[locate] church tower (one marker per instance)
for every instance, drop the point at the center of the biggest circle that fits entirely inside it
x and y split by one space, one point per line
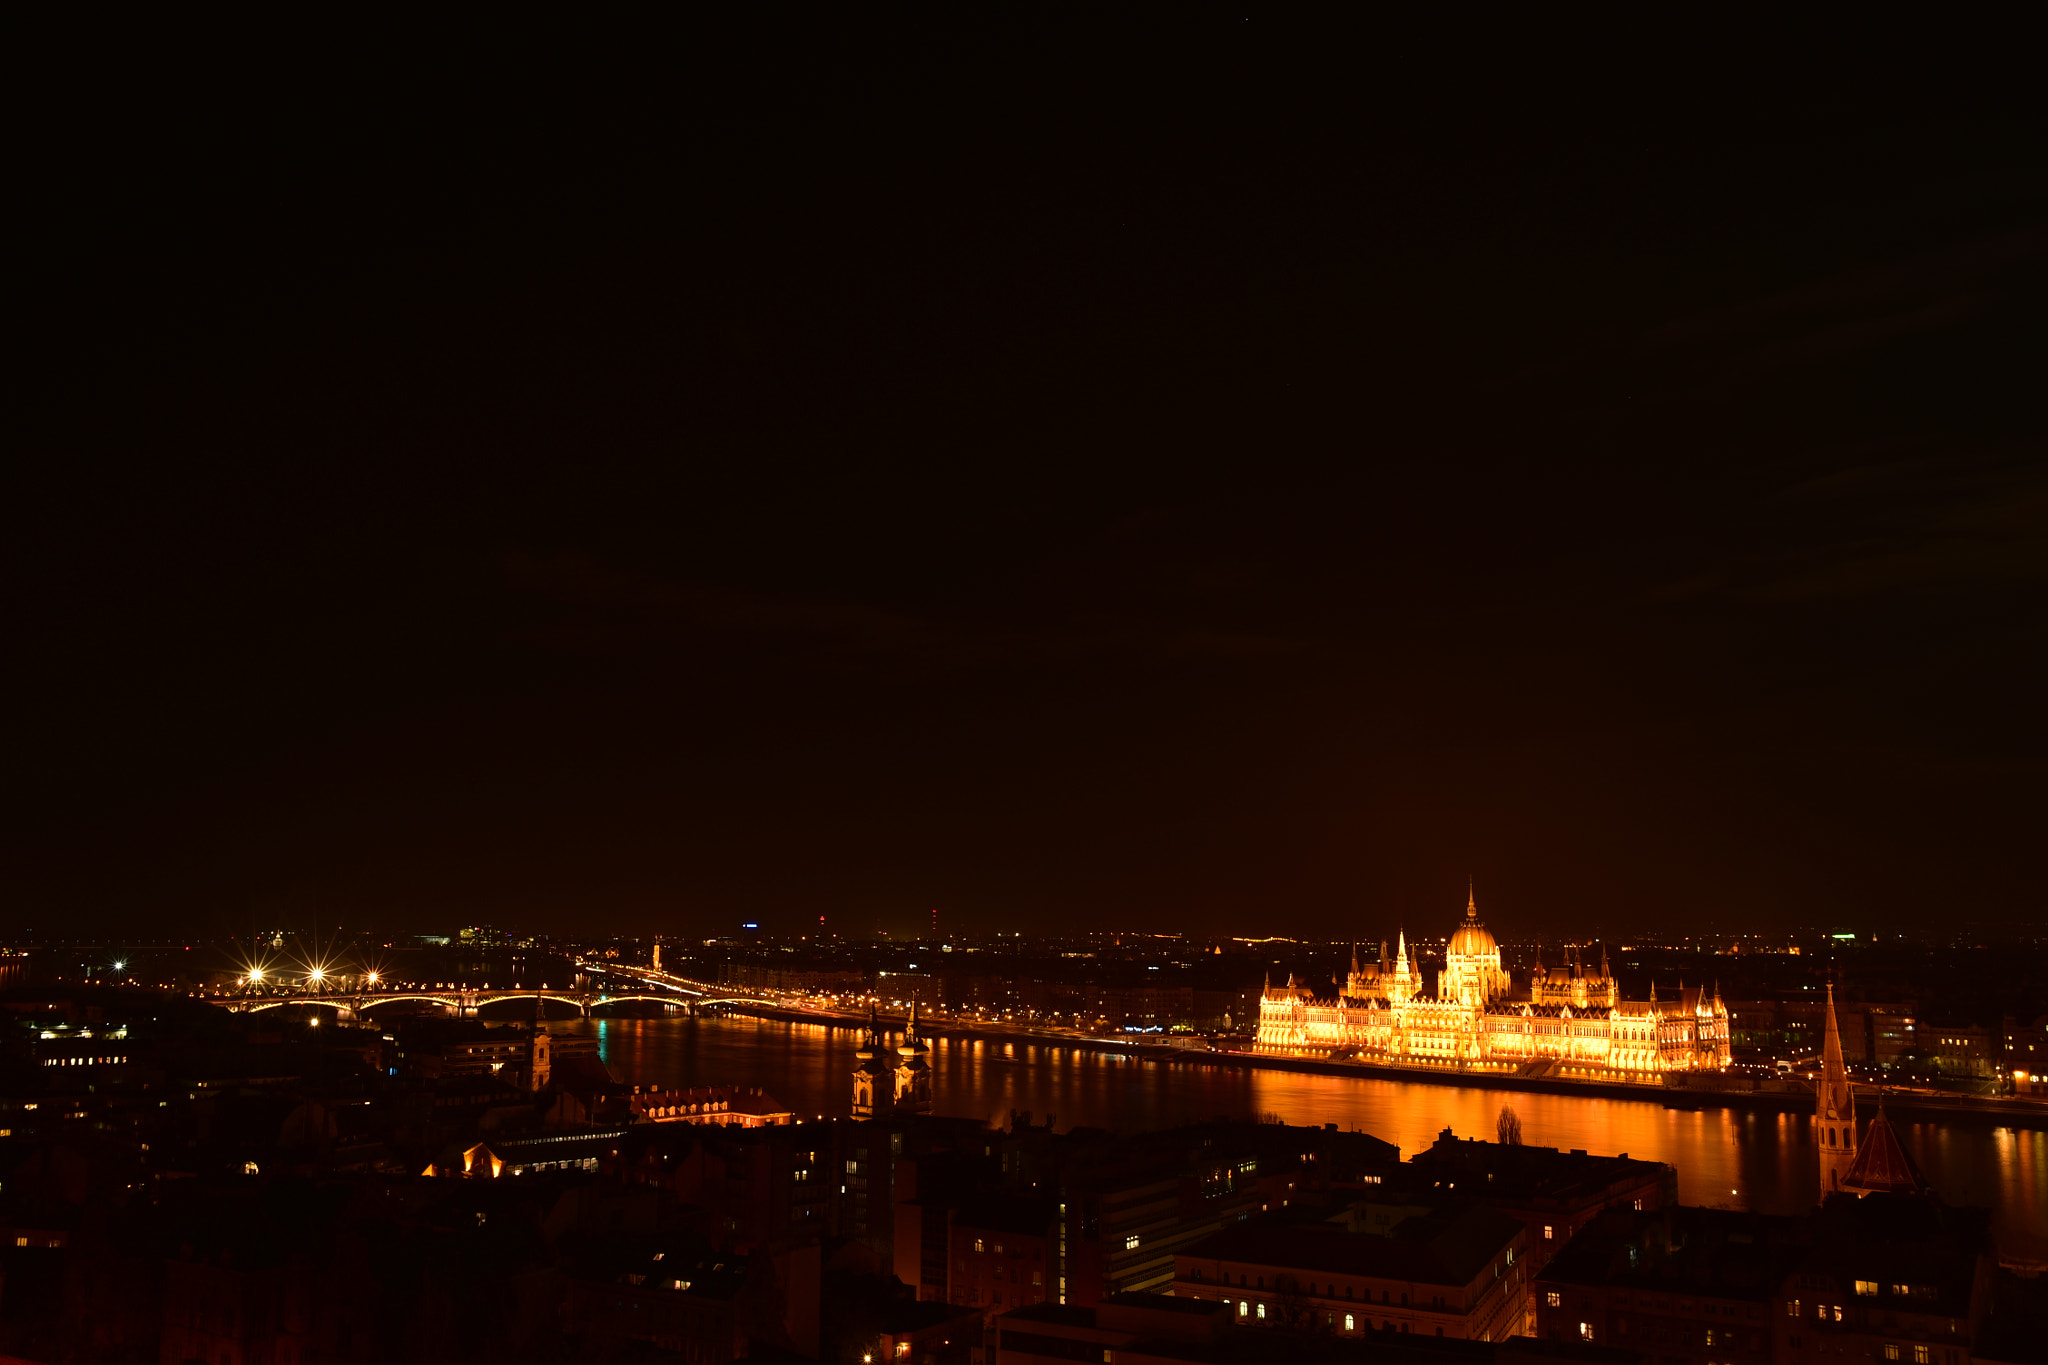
874 1078
913 1071
540 1067
1834 1117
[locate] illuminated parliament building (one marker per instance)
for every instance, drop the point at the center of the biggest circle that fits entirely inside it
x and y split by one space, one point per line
1568 1022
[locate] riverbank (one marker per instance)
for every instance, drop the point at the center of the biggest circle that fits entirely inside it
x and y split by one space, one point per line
2016 1113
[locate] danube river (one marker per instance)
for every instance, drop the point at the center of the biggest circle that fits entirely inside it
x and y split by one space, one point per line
1728 1157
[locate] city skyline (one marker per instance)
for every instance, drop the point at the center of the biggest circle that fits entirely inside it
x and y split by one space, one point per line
1029 686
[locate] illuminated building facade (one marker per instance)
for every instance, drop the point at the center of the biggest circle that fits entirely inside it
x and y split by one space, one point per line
892 1080
1570 1022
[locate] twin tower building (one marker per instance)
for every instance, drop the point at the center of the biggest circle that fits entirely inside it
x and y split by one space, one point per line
892 1080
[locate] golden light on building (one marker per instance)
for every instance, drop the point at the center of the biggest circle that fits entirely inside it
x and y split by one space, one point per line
1572 1020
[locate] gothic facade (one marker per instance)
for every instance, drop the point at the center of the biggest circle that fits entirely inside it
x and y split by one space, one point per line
1571 1021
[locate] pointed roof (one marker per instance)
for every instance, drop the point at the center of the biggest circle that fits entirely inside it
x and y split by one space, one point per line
1354 957
1883 1165
911 1042
1836 1099
1401 957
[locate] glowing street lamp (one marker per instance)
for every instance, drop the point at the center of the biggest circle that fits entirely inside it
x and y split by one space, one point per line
370 977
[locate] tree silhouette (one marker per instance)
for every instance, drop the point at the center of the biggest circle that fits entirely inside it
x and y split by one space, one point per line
1509 1127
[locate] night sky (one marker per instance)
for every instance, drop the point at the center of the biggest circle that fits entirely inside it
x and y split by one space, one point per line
1200 473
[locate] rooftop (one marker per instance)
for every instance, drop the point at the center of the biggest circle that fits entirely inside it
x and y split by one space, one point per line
1450 1248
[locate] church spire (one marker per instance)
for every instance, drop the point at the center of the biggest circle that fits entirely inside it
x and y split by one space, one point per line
1471 899
1834 1109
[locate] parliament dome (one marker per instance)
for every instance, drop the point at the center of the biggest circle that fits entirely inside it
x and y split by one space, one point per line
1472 938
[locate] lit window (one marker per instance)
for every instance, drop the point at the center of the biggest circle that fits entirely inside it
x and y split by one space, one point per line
1243 1309
1262 1310
1131 1243
977 1246
1585 1331
1546 1232
1920 1355
1867 1288
1554 1299
1350 1323
1891 1350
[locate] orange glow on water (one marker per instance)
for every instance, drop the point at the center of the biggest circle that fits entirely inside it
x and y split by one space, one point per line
1765 1158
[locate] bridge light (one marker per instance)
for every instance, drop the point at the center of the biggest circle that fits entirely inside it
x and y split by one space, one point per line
370 977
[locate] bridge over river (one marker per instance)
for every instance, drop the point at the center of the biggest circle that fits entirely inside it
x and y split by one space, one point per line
464 1002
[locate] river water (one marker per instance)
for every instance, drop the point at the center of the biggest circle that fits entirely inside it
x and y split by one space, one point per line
1734 1158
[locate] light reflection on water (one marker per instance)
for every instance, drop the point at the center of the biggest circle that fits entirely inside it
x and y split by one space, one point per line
1757 1160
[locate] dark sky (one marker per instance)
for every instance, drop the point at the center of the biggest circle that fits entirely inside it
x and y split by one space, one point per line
1194 473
